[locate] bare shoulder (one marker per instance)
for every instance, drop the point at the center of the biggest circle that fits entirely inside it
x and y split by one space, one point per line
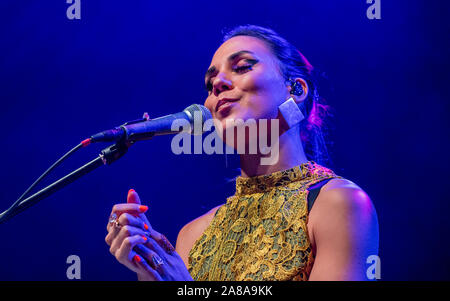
340 200
342 192
192 231
343 230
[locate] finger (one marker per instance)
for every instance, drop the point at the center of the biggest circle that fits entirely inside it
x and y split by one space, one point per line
125 232
119 209
128 219
112 233
112 229
111 222
133 197
141 263
153 259
132 265
125 254
125 219
131 208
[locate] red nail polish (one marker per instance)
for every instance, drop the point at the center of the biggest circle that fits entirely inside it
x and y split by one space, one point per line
144 238
145 226
143 208
130 191
137 258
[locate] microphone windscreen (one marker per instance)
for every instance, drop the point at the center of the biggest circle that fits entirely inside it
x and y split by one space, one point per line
197 111
205 113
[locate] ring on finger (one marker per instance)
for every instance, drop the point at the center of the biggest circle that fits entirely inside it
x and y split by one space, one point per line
157 261
113 219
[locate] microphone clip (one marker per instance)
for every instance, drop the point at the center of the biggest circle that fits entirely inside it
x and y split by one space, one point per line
145 117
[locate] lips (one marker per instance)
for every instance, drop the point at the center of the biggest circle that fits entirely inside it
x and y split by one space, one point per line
224 101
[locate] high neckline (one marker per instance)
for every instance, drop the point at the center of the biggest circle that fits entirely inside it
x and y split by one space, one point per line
249 185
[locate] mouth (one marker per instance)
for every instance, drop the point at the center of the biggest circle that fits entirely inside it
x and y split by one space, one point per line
224 101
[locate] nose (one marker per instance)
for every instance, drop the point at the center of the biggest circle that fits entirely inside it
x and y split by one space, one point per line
221 83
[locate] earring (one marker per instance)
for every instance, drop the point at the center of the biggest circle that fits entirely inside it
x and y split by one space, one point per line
291 112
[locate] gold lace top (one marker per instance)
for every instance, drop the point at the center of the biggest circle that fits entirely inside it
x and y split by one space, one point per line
260 233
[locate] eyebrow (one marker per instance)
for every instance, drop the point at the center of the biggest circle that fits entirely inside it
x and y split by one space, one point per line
230 58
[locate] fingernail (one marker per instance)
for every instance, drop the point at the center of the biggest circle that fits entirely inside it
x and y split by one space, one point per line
137 258
143 208
145 226
144 238
130 191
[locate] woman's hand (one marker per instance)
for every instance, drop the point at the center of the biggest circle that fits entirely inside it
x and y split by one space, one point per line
140 248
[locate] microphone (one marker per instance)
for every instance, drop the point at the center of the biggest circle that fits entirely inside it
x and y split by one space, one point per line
193 117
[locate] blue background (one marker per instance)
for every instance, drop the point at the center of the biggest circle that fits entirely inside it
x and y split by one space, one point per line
62 80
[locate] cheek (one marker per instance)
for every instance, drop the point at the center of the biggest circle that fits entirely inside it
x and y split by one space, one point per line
252 83
261 80
264 95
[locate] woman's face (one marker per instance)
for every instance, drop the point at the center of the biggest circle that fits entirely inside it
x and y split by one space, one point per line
244 82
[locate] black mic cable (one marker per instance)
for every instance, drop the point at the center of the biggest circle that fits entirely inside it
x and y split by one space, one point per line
83 143
120 133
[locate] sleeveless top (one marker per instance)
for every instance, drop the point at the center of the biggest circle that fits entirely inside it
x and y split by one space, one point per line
260 233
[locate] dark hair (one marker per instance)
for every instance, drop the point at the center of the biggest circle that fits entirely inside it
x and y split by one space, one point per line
313 130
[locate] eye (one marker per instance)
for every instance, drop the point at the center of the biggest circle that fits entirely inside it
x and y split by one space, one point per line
246 67
237 69
241 69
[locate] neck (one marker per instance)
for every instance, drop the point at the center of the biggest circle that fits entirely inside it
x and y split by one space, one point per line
291 154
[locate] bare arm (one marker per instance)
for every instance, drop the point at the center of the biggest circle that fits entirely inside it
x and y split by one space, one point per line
345 230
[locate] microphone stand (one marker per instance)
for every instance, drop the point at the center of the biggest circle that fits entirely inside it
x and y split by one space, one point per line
106 156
